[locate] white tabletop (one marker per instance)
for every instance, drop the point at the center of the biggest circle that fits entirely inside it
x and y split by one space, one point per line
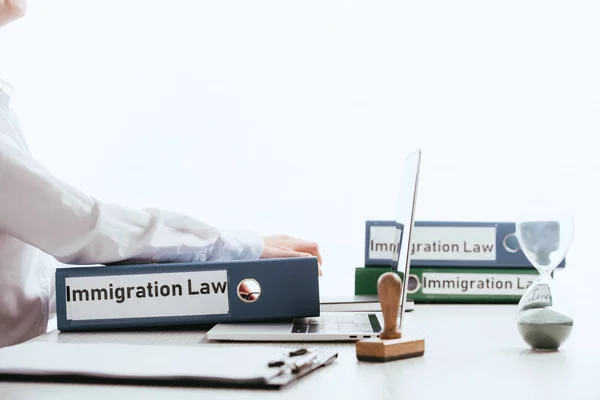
472 352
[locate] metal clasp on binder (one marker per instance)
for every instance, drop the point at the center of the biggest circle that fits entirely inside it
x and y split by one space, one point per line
298 360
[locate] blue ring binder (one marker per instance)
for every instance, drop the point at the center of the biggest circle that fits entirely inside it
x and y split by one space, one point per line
289 289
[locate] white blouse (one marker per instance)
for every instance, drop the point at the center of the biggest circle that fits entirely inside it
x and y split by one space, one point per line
46 223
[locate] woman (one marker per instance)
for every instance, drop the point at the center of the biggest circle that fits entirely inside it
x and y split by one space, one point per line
45 222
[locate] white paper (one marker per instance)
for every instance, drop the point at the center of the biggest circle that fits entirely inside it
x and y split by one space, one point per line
141 361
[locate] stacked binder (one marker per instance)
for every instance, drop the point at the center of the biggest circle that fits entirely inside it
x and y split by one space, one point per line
451 262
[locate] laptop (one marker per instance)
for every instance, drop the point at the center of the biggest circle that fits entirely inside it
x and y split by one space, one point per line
363 302
341 326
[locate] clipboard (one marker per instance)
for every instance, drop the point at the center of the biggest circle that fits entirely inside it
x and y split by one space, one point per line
175 294
161 365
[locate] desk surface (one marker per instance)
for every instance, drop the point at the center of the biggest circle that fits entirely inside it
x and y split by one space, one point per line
472 352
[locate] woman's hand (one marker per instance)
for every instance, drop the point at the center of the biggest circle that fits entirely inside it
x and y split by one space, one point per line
11 10
280 246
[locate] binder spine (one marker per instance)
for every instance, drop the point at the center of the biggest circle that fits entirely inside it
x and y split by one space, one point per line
455 285
131 296
448 244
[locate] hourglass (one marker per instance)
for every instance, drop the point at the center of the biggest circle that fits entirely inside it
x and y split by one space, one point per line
543 315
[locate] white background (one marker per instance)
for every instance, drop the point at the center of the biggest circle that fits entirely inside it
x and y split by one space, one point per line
293 116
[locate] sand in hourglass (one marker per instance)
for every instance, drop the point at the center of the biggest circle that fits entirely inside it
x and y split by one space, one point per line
544 328
540 323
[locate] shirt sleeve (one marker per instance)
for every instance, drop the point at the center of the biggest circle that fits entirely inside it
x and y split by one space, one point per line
40 209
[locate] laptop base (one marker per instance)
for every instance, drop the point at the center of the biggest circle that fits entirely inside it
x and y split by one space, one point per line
329 327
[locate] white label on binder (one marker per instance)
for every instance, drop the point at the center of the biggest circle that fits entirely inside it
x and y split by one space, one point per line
478 284
438 243
147 295
382 243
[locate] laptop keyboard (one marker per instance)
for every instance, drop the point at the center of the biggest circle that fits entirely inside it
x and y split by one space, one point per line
351 323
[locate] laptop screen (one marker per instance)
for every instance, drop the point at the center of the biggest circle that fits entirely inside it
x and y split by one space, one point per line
409 178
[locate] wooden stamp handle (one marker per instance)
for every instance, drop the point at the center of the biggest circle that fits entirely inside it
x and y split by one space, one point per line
389 288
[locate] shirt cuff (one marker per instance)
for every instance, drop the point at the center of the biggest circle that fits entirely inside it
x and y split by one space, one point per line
242 245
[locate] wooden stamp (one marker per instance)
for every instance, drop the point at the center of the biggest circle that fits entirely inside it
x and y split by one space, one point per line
390 345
